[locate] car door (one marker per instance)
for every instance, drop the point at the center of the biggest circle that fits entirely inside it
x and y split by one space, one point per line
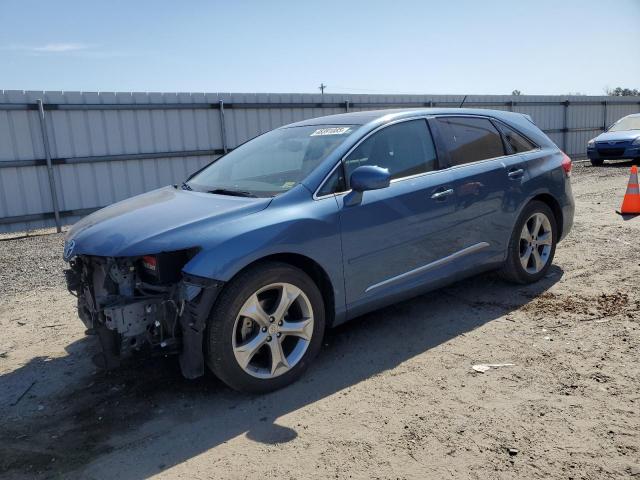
522 160
482 174
394 231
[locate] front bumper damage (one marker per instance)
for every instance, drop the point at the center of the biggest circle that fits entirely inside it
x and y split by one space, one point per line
128 312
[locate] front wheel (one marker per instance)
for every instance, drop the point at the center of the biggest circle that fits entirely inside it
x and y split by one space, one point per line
532 245
597 162
265 328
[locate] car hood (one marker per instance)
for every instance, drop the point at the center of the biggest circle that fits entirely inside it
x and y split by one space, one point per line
162 220
621 135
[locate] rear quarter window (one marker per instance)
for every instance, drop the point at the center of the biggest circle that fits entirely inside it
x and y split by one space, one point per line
515 141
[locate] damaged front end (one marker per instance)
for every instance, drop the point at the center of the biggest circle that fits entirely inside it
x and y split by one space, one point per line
143 303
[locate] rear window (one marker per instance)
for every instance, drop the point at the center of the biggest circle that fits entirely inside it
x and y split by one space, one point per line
516 142
469 139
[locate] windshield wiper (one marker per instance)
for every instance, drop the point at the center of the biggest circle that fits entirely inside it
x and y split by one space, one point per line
235 193
185 186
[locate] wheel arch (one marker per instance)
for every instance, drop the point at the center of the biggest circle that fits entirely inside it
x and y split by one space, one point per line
554 205
312 268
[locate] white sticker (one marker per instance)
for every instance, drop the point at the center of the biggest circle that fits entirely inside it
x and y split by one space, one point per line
330 131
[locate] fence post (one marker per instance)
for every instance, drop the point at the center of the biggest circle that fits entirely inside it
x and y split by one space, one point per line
346 106
604 116
223 128
47 154
565 129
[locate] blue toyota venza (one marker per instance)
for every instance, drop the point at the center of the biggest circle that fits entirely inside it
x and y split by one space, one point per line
621 140
243 266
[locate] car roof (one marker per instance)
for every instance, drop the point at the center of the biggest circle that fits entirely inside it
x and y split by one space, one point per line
382 116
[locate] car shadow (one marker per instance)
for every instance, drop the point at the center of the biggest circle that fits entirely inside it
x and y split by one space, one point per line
145 417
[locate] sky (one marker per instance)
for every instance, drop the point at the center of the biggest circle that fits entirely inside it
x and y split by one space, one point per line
395 46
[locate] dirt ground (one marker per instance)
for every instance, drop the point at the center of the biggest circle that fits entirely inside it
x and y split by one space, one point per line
392 395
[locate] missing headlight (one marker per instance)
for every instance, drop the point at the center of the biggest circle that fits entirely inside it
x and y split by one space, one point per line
163 268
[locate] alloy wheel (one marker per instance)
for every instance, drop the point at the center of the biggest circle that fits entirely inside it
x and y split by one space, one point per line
273 330
536 240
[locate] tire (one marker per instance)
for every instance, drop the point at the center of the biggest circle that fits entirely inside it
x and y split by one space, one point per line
514 269
597 162
253 339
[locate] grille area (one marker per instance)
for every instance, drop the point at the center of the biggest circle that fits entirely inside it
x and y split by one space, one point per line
611 151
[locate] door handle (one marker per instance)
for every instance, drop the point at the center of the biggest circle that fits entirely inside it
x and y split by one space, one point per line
442 194
515 173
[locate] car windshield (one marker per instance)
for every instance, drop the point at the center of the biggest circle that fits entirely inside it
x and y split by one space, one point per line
271 163
626 123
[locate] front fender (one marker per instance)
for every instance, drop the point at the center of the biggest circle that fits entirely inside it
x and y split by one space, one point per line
312 239
310 228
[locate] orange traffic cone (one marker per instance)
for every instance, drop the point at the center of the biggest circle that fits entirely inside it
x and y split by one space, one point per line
631 201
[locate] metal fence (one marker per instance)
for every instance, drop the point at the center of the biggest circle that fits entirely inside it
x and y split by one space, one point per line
65 154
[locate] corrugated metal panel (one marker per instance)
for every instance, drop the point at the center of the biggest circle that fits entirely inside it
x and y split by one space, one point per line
73 133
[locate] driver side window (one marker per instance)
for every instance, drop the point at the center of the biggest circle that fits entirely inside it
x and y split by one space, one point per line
405 148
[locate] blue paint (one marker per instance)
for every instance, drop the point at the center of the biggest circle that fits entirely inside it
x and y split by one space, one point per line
388 231
618 142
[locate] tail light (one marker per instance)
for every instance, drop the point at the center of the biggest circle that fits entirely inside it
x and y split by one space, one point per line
566 164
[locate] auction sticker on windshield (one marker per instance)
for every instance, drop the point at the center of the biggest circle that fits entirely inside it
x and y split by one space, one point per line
330 131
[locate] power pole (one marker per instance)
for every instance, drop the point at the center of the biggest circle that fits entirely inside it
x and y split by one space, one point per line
322 87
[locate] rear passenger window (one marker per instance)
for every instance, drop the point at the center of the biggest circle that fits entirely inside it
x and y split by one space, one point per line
405 148
516 142
470 139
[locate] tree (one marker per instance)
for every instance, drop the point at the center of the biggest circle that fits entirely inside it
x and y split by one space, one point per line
623 92
516 92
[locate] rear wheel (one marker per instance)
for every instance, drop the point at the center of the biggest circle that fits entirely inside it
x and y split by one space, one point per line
597 162
265 328
532 245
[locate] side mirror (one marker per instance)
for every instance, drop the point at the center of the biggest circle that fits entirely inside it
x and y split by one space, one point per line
365 178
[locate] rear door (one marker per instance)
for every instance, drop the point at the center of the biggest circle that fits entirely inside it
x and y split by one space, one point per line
395 231
481 173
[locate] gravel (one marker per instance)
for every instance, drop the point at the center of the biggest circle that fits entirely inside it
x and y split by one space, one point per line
31 263
391 395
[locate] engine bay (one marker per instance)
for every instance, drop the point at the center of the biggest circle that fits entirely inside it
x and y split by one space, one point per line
146 303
